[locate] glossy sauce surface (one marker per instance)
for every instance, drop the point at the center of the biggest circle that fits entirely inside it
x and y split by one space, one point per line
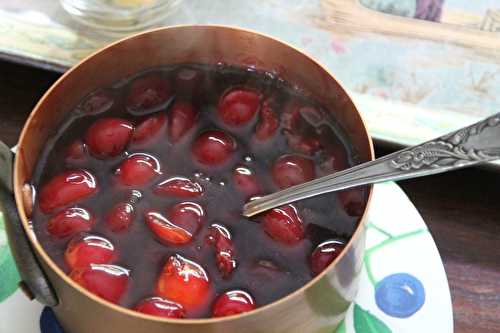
194 143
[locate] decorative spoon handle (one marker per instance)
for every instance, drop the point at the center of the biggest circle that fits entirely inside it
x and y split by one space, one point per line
471 145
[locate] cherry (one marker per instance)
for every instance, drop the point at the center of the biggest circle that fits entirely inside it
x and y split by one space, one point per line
246 181
311 116
179 187
157 306
213 148
181 224
149 129
96 103
303 145
289 170
324 254
297 118
335 153
353 201
290 116
338 158
76 152
67 188
238 106
148 94
108 137
185 282
88 249
232 303
70 221
220 237
165 230
268 123
138 169
188 81
120 216
284 224
106 281
334 162
181 119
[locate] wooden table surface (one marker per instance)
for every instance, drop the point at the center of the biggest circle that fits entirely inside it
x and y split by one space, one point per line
462 210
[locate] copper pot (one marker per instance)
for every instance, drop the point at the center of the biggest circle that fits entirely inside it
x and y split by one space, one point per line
316 307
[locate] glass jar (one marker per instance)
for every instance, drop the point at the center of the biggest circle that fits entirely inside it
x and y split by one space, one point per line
120 16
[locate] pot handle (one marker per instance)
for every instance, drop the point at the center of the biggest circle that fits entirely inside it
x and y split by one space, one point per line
34 281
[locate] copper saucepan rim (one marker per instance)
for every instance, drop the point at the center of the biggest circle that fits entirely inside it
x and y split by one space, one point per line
41 252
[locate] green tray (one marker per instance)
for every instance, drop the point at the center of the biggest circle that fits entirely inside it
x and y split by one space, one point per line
412 79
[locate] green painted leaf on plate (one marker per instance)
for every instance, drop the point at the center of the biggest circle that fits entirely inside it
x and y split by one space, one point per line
365 322
341 327
9 278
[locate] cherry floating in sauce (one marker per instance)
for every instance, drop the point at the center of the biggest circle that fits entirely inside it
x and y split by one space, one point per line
335 158
96 103
67 188
148 94
290 170
107 281
238 106
108 137
213 148
332 163
268 123
181 119
181 224
157 306
303 145
301 119
284 224
85 250
245 181
353 201
232 303
76 152
290 115
122 214
70 221
138 169
324 254
338 157
178 187
149 129
220 237
185 282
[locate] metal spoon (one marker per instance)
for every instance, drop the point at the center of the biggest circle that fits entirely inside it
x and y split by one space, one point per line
471 145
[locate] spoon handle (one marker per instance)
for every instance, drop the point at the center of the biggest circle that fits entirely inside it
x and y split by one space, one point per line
474 144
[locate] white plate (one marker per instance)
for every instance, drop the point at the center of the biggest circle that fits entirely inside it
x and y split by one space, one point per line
404 288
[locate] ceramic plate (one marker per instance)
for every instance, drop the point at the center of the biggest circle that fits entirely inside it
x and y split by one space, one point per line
403 286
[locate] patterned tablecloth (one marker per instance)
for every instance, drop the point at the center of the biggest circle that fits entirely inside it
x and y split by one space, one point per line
416 68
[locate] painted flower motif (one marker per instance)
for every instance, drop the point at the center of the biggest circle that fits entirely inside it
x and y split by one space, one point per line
400 295
337 46
49 323
429 10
